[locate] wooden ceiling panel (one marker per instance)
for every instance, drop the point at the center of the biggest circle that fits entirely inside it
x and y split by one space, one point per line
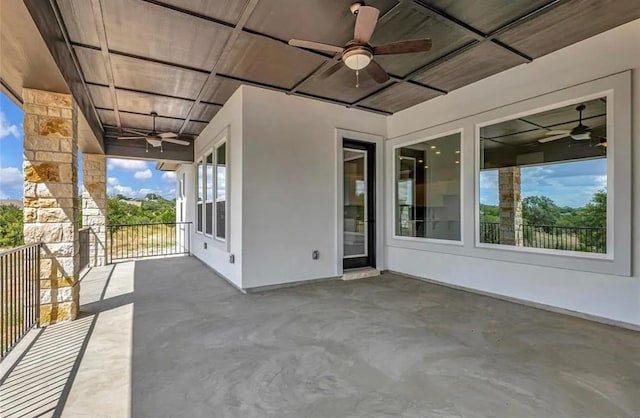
568 23
342 86
225 10
204 112
414 22
135 74
107 117
101 96
487 15
475 64
79 21
327 21
398 97
269 62
92 65
195 127
220 90
164 34
144 122
131 101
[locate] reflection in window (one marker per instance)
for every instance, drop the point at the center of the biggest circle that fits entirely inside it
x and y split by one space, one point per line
221 190
428 189
200 194
543 179
209 196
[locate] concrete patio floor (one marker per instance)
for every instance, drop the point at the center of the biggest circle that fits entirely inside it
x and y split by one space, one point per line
168 338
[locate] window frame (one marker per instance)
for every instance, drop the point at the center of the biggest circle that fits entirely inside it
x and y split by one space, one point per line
216 146
199 202
208 199
394 195
609 254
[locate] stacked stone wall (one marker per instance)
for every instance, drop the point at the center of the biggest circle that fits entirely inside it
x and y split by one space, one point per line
51 199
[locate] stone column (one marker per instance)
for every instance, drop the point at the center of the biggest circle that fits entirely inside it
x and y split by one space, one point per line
94 205
510 207
51 199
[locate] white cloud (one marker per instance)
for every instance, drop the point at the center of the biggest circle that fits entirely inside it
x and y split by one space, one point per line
114 188
10 181
7 129
169 176
143 175
128 165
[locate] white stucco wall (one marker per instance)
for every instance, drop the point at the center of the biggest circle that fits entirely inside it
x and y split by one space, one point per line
227 121
608 296
290 171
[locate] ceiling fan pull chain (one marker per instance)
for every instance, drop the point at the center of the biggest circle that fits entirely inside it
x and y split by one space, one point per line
357 79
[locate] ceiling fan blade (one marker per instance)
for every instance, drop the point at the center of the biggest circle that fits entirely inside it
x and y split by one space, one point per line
175 141
132 137
168 135
377 73
403 47
366 21
316 45
331 70
133 131
552 138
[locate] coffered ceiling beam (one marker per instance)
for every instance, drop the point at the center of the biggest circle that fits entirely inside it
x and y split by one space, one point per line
104 49
48 20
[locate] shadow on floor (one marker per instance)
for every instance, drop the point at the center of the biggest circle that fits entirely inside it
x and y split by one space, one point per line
40 382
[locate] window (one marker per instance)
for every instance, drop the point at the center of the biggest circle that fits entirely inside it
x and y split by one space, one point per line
221 190
427 189
209 196
543 179
200 199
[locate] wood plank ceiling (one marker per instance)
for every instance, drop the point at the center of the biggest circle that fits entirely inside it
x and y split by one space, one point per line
184 58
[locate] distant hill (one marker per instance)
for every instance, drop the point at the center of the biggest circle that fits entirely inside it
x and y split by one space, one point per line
13 202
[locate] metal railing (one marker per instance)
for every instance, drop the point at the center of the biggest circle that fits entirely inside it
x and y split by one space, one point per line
134 241
19 294
85 247
570 238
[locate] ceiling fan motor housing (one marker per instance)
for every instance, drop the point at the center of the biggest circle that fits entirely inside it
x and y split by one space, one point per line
357 57
355 7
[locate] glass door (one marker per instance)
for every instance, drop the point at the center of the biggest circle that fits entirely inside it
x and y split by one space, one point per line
359 204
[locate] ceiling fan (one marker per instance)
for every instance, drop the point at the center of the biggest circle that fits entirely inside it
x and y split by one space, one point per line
154 138
580 133
358 54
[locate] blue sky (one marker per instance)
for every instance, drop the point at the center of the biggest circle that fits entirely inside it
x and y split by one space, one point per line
128 177
567 184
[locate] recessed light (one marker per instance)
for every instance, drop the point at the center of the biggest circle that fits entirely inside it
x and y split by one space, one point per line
426 166
457 151
420 161
457 162
437 152
433 147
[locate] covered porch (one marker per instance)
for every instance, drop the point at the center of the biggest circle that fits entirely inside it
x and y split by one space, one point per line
150 343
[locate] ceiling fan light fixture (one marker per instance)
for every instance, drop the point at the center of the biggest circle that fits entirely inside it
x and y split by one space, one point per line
583 136
154 141
357 59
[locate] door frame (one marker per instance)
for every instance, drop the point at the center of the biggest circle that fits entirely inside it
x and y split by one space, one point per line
378 141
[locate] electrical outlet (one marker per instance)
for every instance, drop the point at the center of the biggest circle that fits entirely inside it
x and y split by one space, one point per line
205 245
315 254
232 258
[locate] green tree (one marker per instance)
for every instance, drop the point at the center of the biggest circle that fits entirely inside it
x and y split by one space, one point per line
540 211
10 226
594 216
